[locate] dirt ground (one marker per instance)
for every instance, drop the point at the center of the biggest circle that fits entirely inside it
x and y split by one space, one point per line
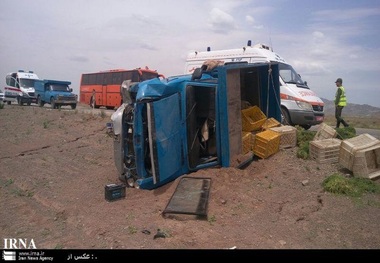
54 165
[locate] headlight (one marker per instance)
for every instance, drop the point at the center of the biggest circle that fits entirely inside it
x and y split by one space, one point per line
304 105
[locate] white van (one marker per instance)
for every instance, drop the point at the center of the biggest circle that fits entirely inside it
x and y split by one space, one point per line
20 87
299 105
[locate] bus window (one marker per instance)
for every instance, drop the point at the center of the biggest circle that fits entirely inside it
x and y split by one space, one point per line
106 85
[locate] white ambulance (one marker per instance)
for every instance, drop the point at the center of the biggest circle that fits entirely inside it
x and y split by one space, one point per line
20 87
299 105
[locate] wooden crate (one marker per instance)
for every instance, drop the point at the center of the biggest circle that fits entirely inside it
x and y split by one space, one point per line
252 119
350 146
266 143
367 162
325 132
270 123
325 150
288 136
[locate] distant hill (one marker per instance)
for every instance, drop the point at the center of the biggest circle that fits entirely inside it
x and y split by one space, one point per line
353 110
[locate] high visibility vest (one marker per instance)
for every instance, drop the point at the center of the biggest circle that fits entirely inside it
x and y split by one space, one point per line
342 99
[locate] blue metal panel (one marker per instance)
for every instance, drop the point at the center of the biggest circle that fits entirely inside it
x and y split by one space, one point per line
167 136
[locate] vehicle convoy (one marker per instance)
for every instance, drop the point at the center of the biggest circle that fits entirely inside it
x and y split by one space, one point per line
299 105
104 86
20 87
169 127
55 92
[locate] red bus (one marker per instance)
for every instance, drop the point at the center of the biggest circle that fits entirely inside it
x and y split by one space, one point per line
106 85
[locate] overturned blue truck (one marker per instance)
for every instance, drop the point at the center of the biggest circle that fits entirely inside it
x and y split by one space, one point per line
169 127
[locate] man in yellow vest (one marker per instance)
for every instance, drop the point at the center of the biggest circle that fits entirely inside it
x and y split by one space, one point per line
340 103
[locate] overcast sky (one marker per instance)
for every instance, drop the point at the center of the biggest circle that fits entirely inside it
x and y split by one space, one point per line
323 39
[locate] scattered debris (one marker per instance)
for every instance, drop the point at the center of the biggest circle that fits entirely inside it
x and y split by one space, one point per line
305 182
146 232
160 234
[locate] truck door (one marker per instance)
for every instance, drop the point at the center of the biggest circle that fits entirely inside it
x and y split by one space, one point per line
164 134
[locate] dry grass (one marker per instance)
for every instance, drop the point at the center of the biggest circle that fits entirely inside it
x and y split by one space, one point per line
357 122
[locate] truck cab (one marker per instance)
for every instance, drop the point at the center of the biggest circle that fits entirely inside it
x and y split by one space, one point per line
20 87
299 104
169 127
55 92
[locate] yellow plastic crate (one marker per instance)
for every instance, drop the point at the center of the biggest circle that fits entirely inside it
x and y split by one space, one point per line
246 142
266 143
270 123
252 119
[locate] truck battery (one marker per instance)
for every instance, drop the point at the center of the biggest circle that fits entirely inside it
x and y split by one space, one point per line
114 192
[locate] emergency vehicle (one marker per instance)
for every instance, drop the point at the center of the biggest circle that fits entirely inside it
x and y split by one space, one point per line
299 105
20 87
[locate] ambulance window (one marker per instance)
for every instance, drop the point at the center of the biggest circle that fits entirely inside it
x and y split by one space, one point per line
289 75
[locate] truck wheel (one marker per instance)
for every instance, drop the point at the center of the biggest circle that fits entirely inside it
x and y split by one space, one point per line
52 103
19 101
285 118
29 103
306 127
9 102
40 102
73 106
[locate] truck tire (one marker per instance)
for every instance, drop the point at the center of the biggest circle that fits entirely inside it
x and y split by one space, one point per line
40 102
52 103
9 102
285 118
73 106
29 103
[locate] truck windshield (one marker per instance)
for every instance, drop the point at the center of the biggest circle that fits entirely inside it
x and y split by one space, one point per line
26 83
289 75
59 87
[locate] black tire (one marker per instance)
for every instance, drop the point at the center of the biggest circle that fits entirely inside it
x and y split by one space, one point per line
40 102
19 101
8 102
73 106
306 127
52 103
285 118
28 103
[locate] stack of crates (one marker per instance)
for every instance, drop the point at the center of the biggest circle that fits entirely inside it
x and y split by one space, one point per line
288 136
252 119
270 123
361 155
325 132
246 141
325 150
266 143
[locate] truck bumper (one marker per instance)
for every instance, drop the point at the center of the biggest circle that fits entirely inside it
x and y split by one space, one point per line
65 102
306 117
